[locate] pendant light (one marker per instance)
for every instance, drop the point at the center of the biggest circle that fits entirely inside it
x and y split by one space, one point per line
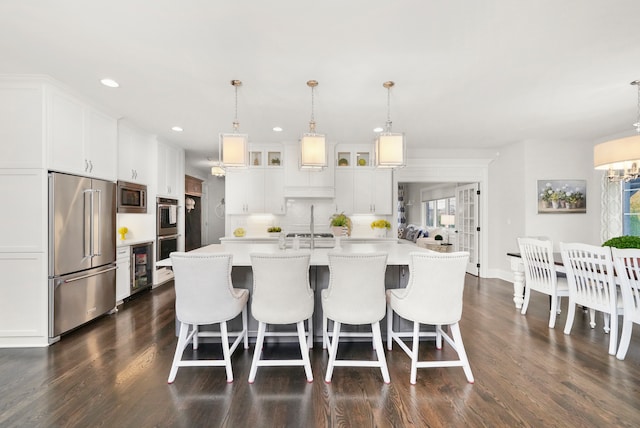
621 157
233 147
389 147
313 147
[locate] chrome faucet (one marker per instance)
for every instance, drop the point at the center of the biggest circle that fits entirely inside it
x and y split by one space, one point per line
311 227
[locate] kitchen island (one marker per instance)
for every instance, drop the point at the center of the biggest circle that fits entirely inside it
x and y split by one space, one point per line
396 276
398 254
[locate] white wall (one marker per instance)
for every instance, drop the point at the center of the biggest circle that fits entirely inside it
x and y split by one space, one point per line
513 207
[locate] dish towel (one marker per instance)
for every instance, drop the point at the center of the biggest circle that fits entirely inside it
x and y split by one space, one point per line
173 214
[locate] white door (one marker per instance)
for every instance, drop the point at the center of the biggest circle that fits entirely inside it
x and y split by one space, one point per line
467 202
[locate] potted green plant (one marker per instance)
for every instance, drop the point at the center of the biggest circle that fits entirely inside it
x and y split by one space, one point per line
380 227
274 230
626 241
340 224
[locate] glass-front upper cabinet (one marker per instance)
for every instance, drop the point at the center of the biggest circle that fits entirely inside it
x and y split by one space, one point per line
354 155
265 156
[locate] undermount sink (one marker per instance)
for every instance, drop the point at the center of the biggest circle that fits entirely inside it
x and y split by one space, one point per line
308 235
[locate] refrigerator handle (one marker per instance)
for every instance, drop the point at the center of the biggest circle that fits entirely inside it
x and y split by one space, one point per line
78 278
99 229
88 223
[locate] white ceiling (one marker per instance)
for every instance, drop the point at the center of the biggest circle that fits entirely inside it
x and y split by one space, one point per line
469 74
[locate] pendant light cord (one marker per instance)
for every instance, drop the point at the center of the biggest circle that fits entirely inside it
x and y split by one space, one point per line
236 124
637 124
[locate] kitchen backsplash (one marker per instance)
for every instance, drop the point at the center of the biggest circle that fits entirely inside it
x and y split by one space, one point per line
297 219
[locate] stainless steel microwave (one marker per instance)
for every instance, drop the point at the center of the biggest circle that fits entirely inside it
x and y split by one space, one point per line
132 197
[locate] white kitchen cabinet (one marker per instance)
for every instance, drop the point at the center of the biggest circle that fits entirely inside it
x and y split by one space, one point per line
344 191
372 191
170 171
364 191
254 191
237 183
133 155
259 188
21 123
123 273
361 188
274 201
81 140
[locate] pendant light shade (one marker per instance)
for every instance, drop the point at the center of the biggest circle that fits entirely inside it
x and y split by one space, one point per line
313 146
233 148
620 157
390 150
389 147
313 151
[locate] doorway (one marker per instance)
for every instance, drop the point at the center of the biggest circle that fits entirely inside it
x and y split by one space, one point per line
422 203
192 222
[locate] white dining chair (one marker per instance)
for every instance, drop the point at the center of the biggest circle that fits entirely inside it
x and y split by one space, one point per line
433 296
282 295
205 296
592 285
540 274
355 296
627 263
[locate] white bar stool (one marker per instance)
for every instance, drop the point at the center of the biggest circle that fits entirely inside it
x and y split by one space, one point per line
204 296
433 296
355 296
282 295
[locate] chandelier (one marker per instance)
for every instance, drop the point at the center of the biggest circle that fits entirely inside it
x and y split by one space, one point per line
621 157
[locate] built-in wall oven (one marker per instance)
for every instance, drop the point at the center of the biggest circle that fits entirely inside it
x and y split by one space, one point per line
167 235
167 222
167 227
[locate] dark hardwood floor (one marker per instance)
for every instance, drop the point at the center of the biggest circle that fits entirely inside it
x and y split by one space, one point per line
114 371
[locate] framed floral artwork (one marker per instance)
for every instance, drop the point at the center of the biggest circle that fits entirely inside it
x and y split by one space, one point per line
562 196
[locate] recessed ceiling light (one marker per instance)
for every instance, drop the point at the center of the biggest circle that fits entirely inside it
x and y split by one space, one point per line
277 129
378 129
110 83
177 129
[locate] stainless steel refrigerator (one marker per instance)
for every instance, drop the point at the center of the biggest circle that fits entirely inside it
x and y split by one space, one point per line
82 250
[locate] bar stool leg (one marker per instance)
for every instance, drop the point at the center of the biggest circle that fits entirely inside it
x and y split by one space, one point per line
333 350
310 338
305 351
389 327
245 327
225 351
324 332
257 351
377 339
414 352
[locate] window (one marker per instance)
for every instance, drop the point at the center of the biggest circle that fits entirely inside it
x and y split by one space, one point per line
631 208
436 208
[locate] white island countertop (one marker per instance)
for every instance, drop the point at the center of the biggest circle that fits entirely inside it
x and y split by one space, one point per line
398 254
